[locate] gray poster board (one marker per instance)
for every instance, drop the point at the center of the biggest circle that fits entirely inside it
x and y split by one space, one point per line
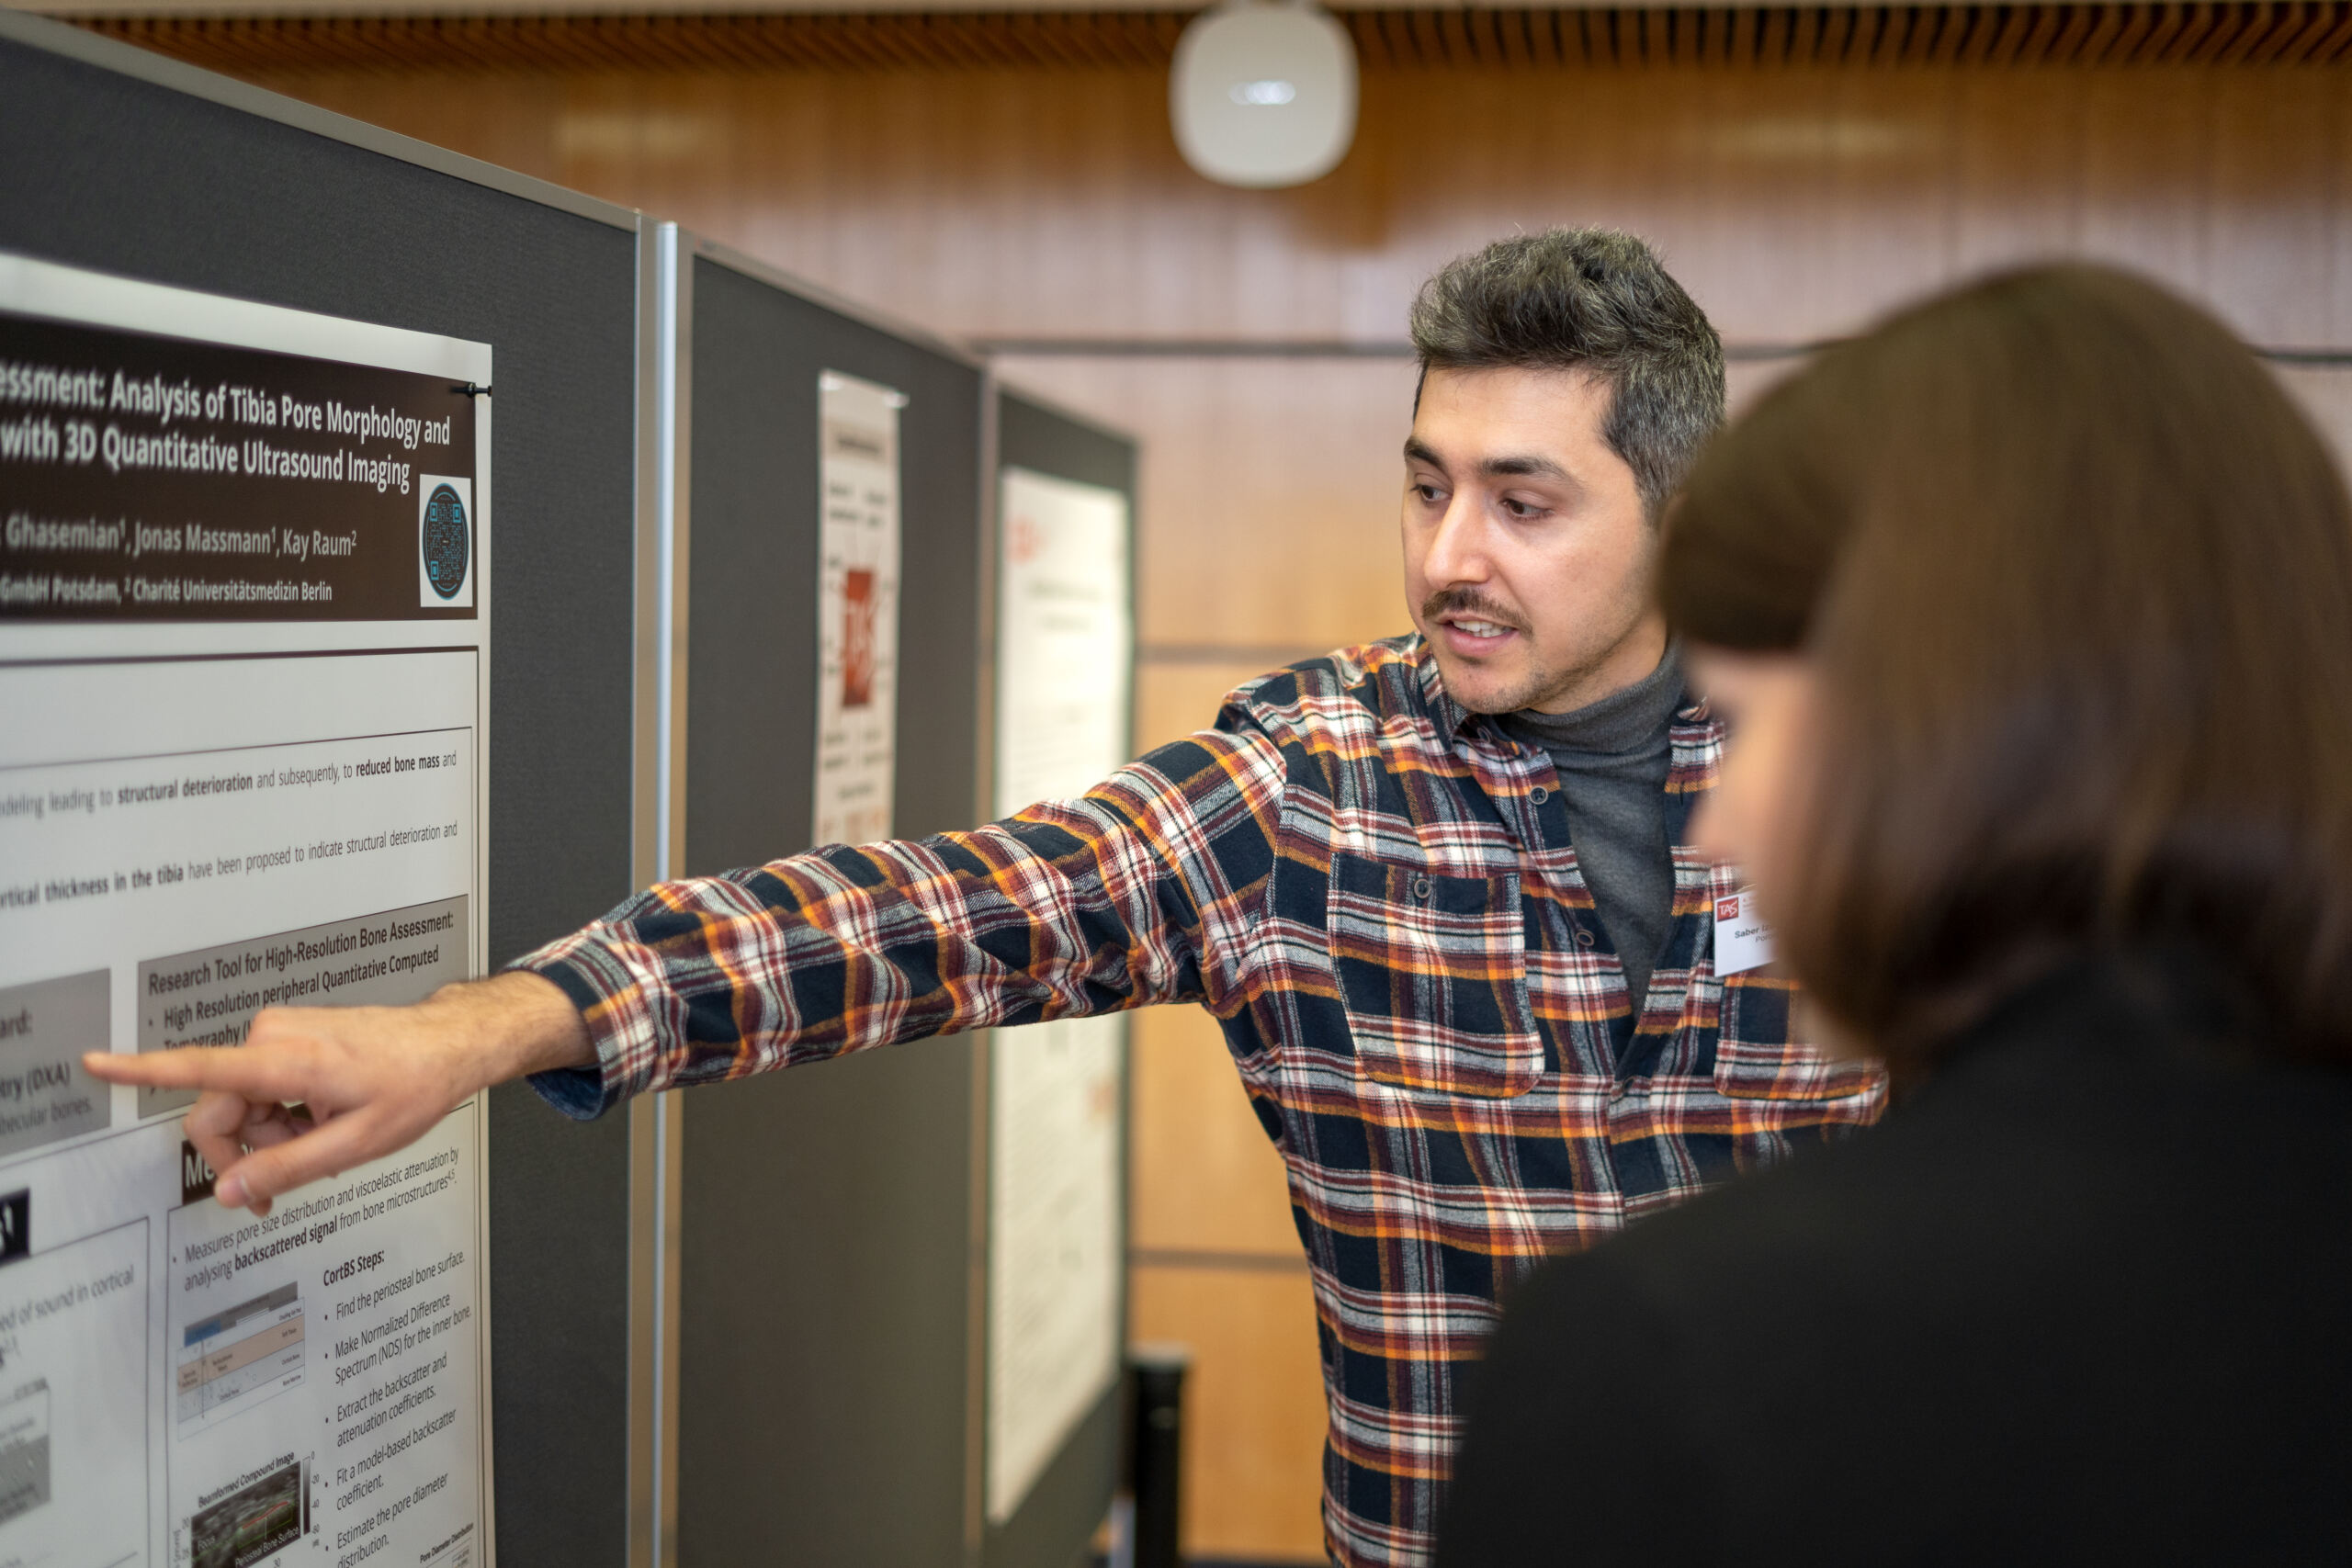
827 1286
123 161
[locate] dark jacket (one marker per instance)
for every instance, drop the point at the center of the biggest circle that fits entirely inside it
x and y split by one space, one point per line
2086 1297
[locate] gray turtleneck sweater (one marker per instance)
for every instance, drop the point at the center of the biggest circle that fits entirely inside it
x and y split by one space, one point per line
1612 759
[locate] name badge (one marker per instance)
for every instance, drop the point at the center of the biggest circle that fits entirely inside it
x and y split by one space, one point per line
1741 940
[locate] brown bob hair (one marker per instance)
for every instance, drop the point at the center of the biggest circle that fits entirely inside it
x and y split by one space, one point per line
2076 579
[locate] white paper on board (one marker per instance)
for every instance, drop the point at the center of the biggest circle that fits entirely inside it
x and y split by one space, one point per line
857 609
244 610
1064 654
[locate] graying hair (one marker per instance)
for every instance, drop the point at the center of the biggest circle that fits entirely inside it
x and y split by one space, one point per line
1591 299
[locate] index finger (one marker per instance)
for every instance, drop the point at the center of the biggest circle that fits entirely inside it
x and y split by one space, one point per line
240 1069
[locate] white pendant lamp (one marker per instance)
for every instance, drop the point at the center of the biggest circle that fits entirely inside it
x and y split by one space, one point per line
1263 93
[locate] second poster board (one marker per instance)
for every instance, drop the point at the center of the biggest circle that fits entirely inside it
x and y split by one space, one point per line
832 1271
827 1289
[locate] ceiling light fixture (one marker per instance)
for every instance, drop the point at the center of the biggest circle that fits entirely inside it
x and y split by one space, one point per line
1263 93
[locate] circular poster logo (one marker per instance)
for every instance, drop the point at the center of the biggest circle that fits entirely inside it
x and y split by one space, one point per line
448 543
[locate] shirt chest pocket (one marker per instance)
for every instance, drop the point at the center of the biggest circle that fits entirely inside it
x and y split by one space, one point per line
1758 1057
1432 971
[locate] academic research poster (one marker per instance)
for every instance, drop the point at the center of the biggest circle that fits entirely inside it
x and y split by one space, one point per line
245 624
857 609
1065 663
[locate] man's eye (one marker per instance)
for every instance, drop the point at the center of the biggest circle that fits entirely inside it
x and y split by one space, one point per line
1520 508
1430 493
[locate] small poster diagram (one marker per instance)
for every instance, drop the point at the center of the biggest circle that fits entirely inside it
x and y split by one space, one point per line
251 1526
1028 540
236 1359
860 638
444 543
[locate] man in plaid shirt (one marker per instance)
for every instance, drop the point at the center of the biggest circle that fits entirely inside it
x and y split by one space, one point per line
1436 889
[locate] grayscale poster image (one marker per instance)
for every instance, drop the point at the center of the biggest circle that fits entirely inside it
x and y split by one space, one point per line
244 621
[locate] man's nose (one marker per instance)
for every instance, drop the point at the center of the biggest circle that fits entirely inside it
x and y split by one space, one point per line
1457 550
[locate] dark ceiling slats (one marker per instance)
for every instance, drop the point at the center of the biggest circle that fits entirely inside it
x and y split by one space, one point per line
2265 32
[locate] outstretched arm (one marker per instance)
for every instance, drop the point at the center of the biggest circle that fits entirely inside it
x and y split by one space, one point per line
369 1081
1072 909
1144 890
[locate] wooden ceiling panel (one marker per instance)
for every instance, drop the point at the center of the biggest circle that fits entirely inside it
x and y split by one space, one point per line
2308 32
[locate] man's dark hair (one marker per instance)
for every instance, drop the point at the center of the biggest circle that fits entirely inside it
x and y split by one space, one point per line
1590 299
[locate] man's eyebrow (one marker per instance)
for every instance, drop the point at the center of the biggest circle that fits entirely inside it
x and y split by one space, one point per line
1524 468
1516 467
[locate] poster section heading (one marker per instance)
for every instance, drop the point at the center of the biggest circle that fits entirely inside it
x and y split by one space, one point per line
44 1094
208 996
154 479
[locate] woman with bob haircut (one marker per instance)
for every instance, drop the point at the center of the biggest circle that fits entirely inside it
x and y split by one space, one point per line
2031 614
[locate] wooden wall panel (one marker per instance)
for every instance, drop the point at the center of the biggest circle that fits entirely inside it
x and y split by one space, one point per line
1250 1439
2158 225
2277 171
1177 695
1209 1182
1289 470
1796 202
1216 1190
1996 217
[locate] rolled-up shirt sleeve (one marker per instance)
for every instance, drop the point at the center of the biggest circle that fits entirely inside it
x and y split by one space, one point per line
1137 892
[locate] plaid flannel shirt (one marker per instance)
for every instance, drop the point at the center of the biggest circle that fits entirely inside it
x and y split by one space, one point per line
1373 892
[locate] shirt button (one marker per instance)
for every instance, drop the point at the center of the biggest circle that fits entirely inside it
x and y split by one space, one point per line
1584 937
1421 887
1538 795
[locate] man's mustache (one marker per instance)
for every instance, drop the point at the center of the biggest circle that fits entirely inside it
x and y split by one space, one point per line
1470 604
